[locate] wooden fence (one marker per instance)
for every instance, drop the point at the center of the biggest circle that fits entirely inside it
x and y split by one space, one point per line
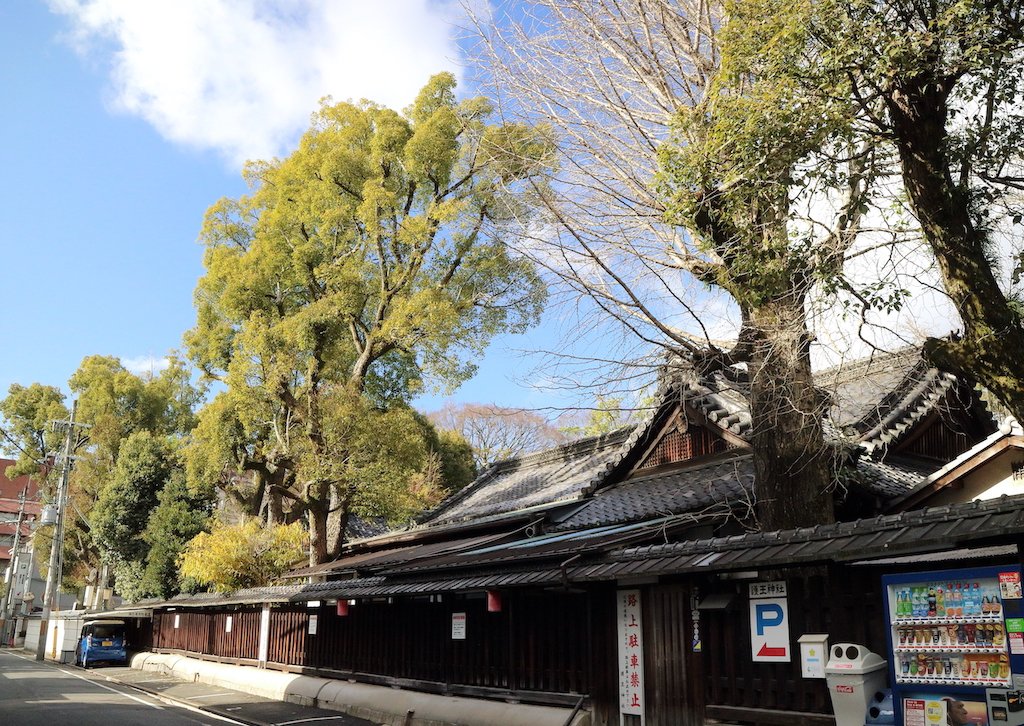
537 642
553 646
230 634
542 643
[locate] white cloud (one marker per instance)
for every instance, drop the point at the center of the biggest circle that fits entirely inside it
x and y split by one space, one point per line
145 365
242 76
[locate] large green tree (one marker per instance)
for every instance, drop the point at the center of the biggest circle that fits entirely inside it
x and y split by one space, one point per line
941 81
179 516
144 465
28 435
115 406
370 261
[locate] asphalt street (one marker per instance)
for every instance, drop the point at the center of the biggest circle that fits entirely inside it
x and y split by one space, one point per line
46 694
41 694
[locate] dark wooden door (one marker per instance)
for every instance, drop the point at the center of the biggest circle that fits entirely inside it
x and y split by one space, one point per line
674 686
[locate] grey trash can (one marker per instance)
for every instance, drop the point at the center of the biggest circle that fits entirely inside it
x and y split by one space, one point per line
854 675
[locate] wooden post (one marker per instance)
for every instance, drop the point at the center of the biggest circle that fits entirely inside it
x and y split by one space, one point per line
264 647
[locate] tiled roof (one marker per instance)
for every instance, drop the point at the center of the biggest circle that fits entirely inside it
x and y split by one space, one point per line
925 530
889 479
933 530
722 485
361 527
876 400
560 474
377 559
862 390
246 596
722 402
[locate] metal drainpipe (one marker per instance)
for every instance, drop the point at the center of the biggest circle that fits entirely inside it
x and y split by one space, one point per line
565 575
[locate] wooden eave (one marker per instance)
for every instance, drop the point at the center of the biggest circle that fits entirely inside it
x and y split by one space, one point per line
953 476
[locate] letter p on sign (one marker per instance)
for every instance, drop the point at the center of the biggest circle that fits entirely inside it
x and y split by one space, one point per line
768 616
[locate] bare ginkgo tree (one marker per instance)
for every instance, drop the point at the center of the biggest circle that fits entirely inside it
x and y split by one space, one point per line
686 172
497 432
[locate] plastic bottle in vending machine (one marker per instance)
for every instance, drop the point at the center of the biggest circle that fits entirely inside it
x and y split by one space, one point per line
931 601
991 601
940 602
958 600
976 600
950 603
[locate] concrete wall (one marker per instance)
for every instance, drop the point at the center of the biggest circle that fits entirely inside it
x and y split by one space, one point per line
32 634
379 704
61 637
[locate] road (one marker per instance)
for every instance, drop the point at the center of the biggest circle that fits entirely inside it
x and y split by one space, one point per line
37 694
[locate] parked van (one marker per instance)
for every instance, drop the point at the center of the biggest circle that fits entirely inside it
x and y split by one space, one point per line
102 640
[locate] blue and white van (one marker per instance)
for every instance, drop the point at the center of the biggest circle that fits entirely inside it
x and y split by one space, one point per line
102 641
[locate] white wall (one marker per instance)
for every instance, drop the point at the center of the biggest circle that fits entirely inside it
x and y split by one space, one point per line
992 479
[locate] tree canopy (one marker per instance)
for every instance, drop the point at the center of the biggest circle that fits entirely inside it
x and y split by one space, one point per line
124 456
249 554
370 262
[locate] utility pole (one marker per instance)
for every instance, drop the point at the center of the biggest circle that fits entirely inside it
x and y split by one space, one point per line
53 573
12 573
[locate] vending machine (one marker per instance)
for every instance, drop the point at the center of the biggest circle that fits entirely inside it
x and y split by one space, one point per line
956 646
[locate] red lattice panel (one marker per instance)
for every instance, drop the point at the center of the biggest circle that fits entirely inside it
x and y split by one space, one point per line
679 446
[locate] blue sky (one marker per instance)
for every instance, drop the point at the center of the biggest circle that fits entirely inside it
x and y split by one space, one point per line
122 126
124 120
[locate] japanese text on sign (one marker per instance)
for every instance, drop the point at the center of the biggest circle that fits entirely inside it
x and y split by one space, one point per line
458 626
768 589
631 653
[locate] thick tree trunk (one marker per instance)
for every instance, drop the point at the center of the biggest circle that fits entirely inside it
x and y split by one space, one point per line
275 507
992 342
792 464
337 522
317 514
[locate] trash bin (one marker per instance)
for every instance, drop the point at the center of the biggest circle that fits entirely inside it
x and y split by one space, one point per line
854 675
880 710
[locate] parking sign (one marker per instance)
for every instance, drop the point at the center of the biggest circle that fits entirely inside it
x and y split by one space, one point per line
769 627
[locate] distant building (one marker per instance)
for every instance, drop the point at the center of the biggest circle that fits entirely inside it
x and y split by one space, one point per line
10 492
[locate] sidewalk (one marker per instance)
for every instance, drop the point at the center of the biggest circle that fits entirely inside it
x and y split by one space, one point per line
231 704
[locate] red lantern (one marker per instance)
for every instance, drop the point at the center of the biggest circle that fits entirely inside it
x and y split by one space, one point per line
342 608
493 601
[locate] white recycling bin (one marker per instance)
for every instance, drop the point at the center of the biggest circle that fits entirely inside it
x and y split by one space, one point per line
854 674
